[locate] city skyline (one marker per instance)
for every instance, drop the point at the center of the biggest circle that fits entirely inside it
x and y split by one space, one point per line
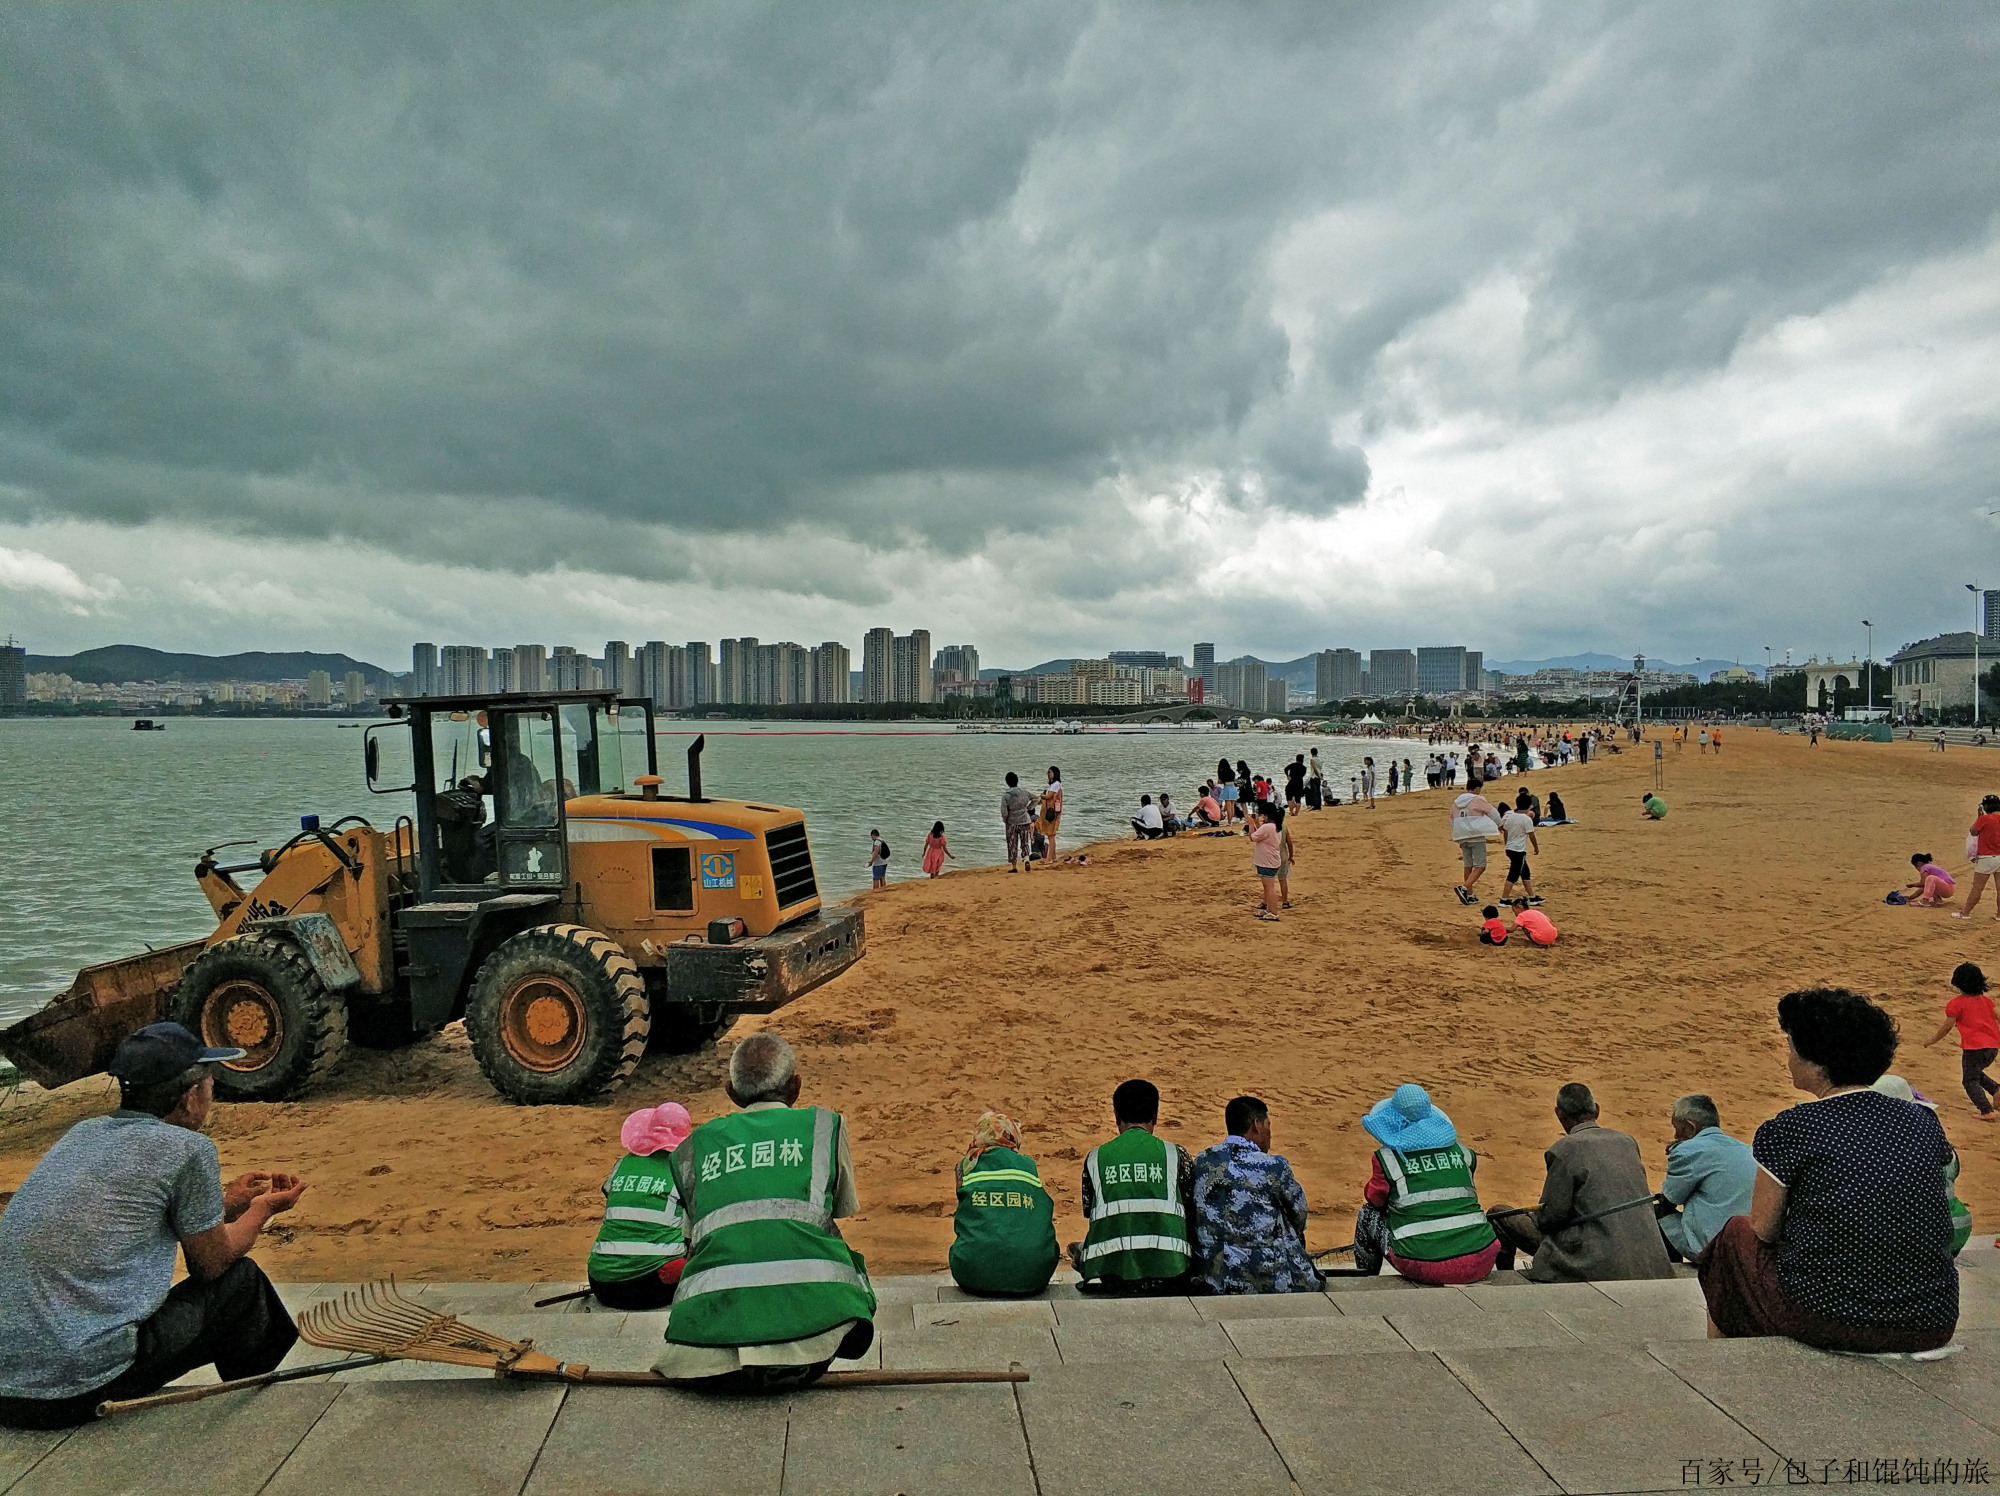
1404 323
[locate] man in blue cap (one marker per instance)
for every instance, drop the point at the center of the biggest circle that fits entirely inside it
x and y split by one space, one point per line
89 1311
1422 1211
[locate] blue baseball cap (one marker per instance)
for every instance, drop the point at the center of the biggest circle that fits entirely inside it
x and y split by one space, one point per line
161 1051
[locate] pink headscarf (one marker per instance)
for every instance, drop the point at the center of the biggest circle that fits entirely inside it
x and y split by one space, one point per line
656 1129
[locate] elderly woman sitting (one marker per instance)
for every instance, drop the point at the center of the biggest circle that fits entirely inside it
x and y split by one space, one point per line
1004 1229
1848 1242
1422 1211
641 1245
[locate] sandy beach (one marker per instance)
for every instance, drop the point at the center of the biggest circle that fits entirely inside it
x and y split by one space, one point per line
1035 994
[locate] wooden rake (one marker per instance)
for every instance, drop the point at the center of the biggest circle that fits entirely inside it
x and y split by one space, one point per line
379 1324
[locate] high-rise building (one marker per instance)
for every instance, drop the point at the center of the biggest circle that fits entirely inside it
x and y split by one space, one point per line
500 673
1144 659
956 662
569 670
618 673
1475 670
1204 667
531 667
1337 674
319 688
461 670
1277 696
794 674
14 674
736 671
701 684
1394 671
423 669
830 672
1242 683
910 667
1440 669
877 647
1991 599
354 690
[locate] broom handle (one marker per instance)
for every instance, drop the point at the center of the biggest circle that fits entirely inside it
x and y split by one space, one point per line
269 1378
584 1376
564 1298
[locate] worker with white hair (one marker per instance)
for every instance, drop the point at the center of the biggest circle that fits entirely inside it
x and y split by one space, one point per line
771 1294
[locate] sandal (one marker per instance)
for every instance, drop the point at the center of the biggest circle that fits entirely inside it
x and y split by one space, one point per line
1267 916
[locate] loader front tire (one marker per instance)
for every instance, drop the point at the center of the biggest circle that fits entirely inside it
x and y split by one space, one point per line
259 993
683 1028
558 1014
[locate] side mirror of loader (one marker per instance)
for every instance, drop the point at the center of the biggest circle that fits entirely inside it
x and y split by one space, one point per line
371 760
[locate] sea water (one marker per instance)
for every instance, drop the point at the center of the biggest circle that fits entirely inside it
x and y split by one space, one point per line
100 825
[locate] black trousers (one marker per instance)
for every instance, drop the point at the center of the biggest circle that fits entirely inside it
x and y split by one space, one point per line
1978 1085
237 1323
640 1295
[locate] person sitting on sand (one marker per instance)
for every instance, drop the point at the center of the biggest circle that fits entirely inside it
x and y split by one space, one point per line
1420 1211
89 1310
1653 807
1137 1189
1147 824
1847 1245
1590 1169
1971 1010
1961 1216
1169 822
1709 1175
1557 815
641 1246
1250 1211
1934 886
1004 1227
771 1295
1208 809
1492 928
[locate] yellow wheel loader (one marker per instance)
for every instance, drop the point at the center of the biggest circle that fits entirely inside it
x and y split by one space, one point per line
545 891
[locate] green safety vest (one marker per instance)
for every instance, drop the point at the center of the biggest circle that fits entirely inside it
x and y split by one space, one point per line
1004 1229
765 1262
1433 1211
1961 1216
642 1220
1137 1225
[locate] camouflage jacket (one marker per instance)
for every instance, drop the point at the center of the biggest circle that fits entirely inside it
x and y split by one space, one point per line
1250 1221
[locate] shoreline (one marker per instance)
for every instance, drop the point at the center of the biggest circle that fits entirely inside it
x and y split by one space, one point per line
1035 995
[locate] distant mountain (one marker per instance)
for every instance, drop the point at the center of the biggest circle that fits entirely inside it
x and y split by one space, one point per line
1599 662
123 662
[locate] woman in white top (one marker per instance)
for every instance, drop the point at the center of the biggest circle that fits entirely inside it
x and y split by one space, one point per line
1052 805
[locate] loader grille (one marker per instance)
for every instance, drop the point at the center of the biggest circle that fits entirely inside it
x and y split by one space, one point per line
791 865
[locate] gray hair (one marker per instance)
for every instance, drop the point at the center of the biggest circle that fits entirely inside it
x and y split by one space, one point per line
760 1068
1697 1111
1574 1102
162 1096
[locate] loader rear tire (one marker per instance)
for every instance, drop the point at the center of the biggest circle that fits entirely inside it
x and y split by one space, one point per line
558 1014
259 993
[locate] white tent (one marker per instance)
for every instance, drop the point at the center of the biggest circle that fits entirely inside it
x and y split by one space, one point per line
1371 720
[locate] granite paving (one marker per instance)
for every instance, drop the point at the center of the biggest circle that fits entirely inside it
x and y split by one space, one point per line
1375 1385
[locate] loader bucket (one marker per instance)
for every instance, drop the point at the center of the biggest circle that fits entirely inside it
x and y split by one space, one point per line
75 1034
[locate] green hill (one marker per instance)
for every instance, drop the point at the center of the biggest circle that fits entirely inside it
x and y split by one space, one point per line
123 662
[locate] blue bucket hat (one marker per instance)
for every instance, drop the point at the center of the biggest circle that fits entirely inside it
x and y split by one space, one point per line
1407 1121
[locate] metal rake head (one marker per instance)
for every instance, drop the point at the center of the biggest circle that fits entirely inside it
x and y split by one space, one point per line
379 1321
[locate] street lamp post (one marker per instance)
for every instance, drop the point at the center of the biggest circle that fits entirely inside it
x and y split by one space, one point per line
1977 624
1870 667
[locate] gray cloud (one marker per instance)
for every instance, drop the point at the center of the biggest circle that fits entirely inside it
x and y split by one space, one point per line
795 303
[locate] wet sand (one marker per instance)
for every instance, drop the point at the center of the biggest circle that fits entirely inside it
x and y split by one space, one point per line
1037 993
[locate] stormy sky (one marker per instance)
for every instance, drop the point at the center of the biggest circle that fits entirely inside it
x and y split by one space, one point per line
1054 328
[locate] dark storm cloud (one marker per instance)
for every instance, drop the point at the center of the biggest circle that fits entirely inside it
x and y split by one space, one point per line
491 284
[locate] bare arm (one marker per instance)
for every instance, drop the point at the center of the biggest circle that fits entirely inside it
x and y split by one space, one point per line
213 1252
1767 1206
1943 1029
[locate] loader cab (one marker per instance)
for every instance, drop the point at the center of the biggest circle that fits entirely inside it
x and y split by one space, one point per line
492 776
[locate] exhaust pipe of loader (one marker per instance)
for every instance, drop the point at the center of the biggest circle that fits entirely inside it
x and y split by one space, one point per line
694 767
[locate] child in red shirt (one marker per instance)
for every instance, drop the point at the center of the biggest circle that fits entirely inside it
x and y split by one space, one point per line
1493 929
1978 1035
